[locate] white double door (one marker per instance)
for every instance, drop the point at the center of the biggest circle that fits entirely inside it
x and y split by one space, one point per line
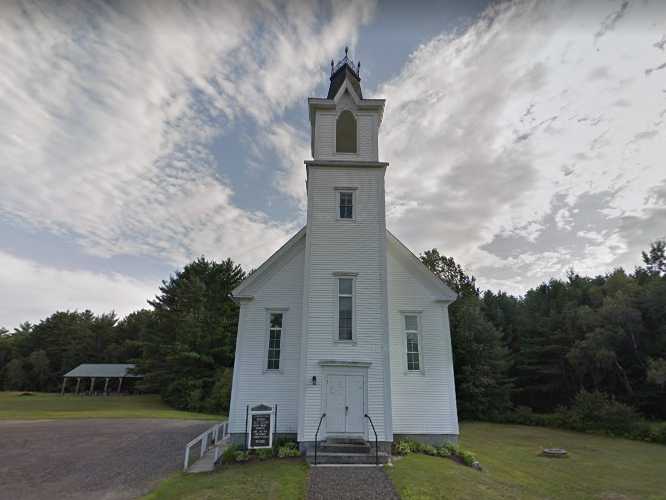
345 404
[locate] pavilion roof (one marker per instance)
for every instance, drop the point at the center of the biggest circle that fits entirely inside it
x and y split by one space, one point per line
103 370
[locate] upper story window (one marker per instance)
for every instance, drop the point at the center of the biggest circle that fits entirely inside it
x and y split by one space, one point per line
274 340
345 133
345 308
346 204
412 339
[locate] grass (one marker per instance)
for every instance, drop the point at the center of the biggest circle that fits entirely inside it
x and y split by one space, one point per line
13 406
274 479
598 467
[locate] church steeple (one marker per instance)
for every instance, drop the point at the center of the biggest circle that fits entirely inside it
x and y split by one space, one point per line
345 70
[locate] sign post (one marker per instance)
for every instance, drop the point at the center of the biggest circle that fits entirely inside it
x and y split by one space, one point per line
261 427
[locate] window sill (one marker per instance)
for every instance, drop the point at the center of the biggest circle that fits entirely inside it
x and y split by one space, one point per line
277 371
414 373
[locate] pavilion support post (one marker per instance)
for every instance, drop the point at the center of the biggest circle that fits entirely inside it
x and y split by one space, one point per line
92 385
64 383
120 383
106 386
78 384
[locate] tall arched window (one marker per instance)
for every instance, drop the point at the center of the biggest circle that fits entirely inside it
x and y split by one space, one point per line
345 133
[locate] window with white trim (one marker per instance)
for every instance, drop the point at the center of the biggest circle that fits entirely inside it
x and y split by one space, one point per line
345 308
412 340
274 340
345 204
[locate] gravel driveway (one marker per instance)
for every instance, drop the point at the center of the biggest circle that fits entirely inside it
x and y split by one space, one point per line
100 459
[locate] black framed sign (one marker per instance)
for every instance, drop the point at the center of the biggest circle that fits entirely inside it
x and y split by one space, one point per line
261 429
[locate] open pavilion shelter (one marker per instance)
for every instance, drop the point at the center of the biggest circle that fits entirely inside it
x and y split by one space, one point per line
109 372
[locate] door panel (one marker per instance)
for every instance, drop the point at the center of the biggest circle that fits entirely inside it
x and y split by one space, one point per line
355 403
335 403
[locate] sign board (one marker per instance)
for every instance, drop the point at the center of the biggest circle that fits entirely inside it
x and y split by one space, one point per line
261 428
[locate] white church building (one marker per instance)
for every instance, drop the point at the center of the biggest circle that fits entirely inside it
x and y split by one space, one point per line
343 332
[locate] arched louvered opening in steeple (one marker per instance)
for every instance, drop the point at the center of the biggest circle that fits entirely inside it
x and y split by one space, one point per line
345 133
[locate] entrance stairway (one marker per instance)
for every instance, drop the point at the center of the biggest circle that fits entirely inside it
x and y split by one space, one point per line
346 451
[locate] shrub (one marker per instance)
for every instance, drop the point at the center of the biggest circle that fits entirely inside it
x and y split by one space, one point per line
264 453
402 448
597 411
467 458
290 449
428 450
443 451
229 454
241 456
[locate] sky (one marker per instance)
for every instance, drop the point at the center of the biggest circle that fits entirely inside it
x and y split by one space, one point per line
525 138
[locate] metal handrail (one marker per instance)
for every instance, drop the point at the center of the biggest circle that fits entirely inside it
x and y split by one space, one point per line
376 443
317 434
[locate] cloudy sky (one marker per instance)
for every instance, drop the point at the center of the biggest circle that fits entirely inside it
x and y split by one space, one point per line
524 137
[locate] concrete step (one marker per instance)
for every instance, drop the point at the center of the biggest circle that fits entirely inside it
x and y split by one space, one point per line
336 447
347 458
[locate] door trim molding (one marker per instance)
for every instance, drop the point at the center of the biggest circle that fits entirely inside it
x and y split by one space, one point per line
345 363
335 367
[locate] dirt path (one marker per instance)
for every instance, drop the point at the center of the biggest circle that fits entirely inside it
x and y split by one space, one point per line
105 459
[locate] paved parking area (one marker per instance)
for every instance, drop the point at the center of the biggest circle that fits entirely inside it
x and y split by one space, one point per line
105 459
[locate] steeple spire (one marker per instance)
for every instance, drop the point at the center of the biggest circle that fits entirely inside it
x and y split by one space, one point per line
345 70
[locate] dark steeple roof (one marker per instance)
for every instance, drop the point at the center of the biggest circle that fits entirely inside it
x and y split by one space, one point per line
342 71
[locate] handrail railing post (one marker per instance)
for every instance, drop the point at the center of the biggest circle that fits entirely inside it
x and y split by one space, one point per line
317 434
376 442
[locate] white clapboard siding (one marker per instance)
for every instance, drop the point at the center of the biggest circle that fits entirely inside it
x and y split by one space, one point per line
325 136
345 246
280 287
423 403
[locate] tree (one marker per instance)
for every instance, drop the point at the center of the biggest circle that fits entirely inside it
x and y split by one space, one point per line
16 378
655 258
480 360
194 334
39 369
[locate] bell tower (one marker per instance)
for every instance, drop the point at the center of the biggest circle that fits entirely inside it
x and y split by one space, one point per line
345 319
344 125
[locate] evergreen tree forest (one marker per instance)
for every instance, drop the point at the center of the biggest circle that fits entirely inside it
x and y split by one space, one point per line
602 335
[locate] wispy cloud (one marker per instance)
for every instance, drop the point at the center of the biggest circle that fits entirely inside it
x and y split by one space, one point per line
34 291
488 129
108 111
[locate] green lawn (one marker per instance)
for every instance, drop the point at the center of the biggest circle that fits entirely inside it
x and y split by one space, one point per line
598 467
13 406
284 479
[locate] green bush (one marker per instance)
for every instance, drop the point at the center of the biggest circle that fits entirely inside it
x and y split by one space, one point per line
289 450
443 451
592 412
467 458
241 456
428 450
229 454
402 448
596 411
264 453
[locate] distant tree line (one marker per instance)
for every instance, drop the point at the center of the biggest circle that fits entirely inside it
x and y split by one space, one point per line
605 334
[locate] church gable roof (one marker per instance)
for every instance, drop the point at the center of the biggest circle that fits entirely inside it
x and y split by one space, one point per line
244 290
248 285
446 294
